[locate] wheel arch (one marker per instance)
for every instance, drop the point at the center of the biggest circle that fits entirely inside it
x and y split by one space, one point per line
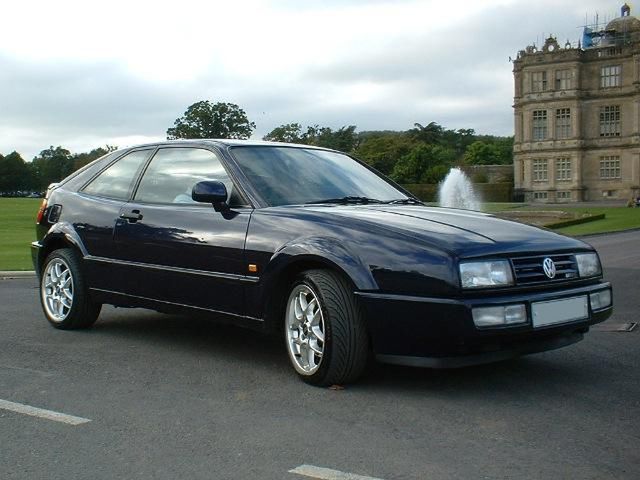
292 260
59 236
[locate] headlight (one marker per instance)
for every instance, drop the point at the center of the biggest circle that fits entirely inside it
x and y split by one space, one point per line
588 264
486 274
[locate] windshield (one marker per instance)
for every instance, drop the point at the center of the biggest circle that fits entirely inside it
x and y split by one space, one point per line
289 176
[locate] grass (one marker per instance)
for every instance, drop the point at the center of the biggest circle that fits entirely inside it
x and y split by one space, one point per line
17 231
17 225
616 219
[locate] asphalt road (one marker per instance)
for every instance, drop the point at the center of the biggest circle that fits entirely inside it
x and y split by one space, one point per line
173 398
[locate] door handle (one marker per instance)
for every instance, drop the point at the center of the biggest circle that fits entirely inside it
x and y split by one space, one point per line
132 217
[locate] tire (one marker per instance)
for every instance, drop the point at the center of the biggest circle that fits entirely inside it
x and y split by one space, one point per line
327 340
63 292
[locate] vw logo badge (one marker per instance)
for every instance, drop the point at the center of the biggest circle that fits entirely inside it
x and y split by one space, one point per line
549 267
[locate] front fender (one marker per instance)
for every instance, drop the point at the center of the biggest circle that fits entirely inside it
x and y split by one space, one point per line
325 250
265 298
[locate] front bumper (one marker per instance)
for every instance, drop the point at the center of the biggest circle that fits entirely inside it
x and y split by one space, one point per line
440 332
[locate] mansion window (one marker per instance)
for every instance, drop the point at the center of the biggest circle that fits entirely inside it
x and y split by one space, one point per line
610 121
539 124
540 173
540 195
610 76
563 169
610 167
563 195
539 81
563 123
563 79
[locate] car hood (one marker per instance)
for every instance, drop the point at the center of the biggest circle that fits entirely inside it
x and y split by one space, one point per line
463 232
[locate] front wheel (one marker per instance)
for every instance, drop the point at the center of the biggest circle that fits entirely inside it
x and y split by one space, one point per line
64 294
324 329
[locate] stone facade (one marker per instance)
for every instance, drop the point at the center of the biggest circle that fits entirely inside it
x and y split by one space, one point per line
577 117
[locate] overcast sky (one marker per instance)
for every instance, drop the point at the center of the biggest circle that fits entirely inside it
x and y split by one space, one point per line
83 74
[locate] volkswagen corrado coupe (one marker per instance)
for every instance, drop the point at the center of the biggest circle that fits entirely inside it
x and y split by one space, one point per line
313 244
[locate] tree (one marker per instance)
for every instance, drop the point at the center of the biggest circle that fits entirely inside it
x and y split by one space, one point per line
82 159
52 165
208 120
382 151
431 134
344 139
497 152
15 174
424 164
289 133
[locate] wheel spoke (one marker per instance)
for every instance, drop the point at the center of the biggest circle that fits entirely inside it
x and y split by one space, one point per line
57 269
298 310
313 345
311 357
317 331
303 300
309 311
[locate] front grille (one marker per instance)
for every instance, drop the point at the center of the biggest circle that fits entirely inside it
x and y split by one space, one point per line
529 269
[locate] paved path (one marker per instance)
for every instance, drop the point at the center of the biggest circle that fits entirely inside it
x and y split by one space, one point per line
163 397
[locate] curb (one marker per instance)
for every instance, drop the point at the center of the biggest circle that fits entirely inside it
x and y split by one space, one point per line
17 274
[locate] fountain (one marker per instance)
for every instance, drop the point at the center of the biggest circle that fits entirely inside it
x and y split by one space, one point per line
456 191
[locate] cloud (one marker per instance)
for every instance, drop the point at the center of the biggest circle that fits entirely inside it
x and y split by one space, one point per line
80 76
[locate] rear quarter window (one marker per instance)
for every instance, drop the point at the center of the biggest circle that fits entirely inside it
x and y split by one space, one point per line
117 180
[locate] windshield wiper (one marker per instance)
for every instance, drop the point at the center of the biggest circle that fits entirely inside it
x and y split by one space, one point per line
347 200
405 201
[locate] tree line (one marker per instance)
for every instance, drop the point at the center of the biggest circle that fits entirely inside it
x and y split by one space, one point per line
422 154
50 165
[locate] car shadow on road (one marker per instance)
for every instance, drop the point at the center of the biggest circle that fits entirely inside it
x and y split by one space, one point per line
246 348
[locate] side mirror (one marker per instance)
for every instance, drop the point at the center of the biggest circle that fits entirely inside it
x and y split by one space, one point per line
211 192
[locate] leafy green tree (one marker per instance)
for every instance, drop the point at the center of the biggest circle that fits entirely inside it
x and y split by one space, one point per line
82 159
52 165
212 120
418 166
15 174
382 151
493 152
344 139
289 133
432 133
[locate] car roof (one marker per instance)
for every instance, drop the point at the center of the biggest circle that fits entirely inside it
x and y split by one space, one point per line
225 142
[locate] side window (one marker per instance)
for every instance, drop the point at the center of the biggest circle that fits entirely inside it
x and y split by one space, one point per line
173 172
117 181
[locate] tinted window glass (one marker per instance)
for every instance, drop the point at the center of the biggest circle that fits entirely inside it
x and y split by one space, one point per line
174 171
117 181
286 176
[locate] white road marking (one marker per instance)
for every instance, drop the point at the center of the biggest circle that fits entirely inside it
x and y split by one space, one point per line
328 474
42 413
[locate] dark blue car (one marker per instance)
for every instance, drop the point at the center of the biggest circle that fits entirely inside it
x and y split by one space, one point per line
313 244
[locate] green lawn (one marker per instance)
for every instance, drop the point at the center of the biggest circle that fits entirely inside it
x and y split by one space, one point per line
17 231
616 219
17 225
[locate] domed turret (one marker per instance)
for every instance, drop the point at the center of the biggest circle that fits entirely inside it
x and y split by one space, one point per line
624 29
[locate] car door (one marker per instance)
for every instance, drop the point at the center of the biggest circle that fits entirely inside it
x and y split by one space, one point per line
95 211
177 251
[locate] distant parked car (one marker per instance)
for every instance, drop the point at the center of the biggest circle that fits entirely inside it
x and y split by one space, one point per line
316 245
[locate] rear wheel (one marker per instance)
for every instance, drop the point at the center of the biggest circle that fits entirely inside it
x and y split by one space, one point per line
324 329
63 292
